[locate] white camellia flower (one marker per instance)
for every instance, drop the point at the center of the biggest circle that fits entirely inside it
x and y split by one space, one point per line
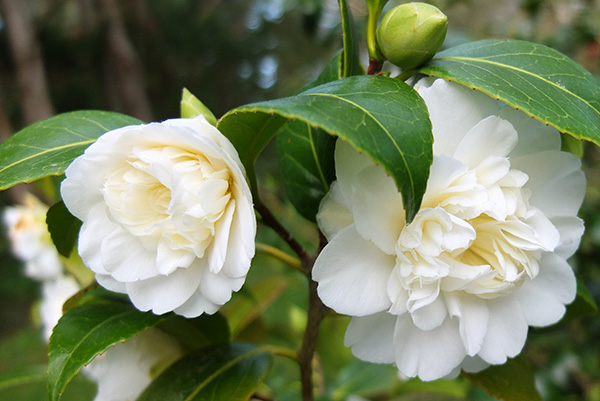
30 240
485 257
167 215
54 294
126 369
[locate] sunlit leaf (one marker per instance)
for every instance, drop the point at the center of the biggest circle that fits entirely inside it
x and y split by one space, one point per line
47 147
191 107
530 77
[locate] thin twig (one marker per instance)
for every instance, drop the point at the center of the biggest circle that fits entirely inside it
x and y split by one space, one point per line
316 313
269 219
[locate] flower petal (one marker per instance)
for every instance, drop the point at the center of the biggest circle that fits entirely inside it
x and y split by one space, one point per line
570 229
333 215
473 315
348 163
543 298
491 136
352 274
453 110
556 182
430 355
372 337
162 294
534 137
377 208
507 331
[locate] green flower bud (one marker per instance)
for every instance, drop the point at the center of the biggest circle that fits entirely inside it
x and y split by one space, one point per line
410 34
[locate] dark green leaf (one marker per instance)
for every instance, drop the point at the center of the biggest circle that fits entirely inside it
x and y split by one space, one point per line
63 228
199 332
584 304
513 381
49 146
87 330
531 77
229 372
382 117
307 168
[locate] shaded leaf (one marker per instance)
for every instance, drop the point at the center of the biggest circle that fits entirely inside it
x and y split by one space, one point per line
224 372
380 116
513 381
87 330
47 147
199 332
307 167
584 304
528 76
63 228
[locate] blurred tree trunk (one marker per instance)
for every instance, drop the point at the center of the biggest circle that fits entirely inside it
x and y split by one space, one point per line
29 65
124 66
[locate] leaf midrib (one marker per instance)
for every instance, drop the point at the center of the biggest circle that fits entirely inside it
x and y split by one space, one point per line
389 135
70 145
520 70
224 368
92 331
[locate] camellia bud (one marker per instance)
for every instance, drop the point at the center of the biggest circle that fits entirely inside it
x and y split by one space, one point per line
410 34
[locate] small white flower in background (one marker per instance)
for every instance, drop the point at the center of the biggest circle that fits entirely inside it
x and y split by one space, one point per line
30 240
167 215
54 294
485 257
126 369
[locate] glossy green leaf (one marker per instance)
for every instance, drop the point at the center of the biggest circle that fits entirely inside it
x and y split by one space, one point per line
229 372
63 228
307 168
382 117
306 153
47 147
87 330
513 381
531 77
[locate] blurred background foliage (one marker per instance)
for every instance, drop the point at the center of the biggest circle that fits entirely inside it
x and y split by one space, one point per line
135 56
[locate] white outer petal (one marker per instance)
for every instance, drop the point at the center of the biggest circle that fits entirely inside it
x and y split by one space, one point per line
556 181
353 274
430 355
333 215
372 337
543 299
453 110
377 208
507 331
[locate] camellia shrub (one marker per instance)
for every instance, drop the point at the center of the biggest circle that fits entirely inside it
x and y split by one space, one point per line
446 198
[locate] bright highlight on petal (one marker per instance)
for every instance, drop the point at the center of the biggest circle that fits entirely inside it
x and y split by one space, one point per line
167 215
483 259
